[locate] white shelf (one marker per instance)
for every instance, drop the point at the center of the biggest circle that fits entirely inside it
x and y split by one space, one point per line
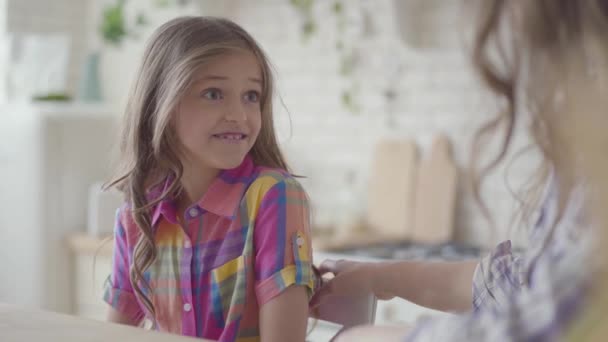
58 109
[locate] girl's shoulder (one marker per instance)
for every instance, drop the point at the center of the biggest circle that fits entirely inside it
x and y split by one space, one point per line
266 179
125 221
273 176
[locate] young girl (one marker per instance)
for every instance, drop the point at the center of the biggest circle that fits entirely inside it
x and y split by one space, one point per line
547 59
214 238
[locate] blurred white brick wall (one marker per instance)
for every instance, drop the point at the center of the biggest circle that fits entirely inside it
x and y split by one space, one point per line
435 90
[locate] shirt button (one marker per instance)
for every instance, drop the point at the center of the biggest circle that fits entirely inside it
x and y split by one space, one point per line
193 212
187 307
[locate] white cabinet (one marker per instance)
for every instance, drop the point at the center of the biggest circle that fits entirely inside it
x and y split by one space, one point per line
49 156
91 266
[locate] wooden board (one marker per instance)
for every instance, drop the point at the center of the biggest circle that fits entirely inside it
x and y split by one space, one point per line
435 195
391 189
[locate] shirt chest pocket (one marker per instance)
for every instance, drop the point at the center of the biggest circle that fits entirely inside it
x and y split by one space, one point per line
228 290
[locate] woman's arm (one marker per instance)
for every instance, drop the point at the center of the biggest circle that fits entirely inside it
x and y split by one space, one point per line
445 286
285 317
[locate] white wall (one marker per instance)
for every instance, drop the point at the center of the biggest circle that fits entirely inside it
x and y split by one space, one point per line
4 50
436 92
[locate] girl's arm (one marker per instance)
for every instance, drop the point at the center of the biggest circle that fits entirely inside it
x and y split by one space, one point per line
123 307
116 316
445 286
283 261
285 317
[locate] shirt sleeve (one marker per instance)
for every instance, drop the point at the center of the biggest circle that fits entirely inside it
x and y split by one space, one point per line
497 277
283 253
118 290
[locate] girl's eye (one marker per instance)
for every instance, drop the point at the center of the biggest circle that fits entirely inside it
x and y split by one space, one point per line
212 94
252 96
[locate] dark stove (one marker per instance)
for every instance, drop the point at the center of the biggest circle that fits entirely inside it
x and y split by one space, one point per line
416 251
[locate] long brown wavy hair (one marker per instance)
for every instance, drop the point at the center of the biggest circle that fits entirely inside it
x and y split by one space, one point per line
150 150
522 50
548 59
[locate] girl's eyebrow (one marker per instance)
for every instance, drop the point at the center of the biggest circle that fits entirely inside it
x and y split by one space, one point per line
211 77
224 78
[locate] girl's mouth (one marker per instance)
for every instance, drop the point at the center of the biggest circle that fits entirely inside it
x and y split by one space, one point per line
231 137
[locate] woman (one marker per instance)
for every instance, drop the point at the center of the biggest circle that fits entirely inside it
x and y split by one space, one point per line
546 60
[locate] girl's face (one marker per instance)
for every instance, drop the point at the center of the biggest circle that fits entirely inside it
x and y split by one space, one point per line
219 117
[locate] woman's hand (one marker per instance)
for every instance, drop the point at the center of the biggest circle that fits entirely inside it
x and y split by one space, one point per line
373 333
350 279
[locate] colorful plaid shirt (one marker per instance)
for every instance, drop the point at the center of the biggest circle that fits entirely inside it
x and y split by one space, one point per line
246 241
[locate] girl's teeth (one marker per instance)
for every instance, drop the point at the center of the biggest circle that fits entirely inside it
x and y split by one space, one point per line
231 136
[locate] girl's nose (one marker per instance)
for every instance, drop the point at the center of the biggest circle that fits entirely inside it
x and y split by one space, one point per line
235 111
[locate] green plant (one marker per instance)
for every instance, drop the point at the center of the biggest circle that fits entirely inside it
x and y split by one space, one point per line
113 27
309 25
167 3
347 54
53 97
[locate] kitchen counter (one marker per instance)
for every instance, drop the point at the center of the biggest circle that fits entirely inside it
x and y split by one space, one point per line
92 245
23 325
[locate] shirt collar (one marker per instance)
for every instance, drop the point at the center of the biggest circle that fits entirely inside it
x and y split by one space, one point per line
223 197
225 193
166 207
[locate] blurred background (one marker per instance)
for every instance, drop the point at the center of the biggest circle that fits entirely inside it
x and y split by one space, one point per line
377 105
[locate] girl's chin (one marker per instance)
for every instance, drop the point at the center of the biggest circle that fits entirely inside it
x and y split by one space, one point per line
227 162
222 159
